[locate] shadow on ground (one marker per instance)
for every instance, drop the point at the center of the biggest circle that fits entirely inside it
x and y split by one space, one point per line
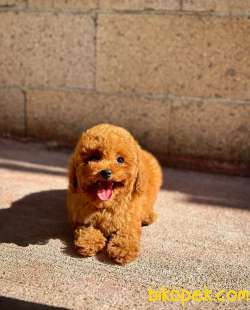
13 303
35 219
208 189
24 152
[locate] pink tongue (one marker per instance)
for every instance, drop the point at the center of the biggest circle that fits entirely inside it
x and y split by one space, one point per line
105 193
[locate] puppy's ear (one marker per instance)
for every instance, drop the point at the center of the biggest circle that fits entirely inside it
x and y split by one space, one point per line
139 176
72 175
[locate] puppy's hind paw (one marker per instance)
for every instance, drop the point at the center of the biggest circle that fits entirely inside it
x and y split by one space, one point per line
149 219
89 241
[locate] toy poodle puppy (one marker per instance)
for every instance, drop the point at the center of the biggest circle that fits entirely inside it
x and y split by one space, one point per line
113 185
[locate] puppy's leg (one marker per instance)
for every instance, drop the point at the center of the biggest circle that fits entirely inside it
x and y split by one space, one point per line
88 240
124 246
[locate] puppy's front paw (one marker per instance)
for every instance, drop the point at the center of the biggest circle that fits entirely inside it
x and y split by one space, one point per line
89 241
123 249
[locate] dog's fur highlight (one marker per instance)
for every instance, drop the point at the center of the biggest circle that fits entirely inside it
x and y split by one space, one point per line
115 222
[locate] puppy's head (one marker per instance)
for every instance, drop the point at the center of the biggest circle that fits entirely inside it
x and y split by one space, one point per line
105 165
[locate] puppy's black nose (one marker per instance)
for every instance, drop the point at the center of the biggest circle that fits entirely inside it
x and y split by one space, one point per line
106 174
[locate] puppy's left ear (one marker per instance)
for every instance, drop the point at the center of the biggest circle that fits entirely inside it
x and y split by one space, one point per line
139 177
72 175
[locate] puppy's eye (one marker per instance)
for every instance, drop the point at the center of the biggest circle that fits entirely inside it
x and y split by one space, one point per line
94 157
120 159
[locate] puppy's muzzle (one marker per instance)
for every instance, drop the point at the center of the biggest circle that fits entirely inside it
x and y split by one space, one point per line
106 174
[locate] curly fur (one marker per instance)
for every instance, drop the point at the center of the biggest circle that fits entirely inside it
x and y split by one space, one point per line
116 222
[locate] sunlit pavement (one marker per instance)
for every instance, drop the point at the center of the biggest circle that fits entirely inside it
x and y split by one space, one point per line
202 238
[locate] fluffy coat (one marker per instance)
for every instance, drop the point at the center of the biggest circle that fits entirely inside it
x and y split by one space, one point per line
109 212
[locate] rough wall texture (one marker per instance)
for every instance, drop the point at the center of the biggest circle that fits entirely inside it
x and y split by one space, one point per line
176 73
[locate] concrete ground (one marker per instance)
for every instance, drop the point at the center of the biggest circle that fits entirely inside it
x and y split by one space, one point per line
202 238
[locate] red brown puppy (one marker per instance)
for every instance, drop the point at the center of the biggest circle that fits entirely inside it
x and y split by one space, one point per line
113 185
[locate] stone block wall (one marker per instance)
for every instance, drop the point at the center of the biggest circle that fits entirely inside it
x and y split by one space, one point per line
176 73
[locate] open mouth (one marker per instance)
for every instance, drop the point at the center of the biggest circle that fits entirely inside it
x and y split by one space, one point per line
104 189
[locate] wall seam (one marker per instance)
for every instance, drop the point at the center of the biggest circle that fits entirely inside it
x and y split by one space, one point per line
155 96
169 127
181 5
95 48
128 12
25 113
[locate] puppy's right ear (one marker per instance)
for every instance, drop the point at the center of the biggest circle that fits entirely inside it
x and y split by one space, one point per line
72 175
